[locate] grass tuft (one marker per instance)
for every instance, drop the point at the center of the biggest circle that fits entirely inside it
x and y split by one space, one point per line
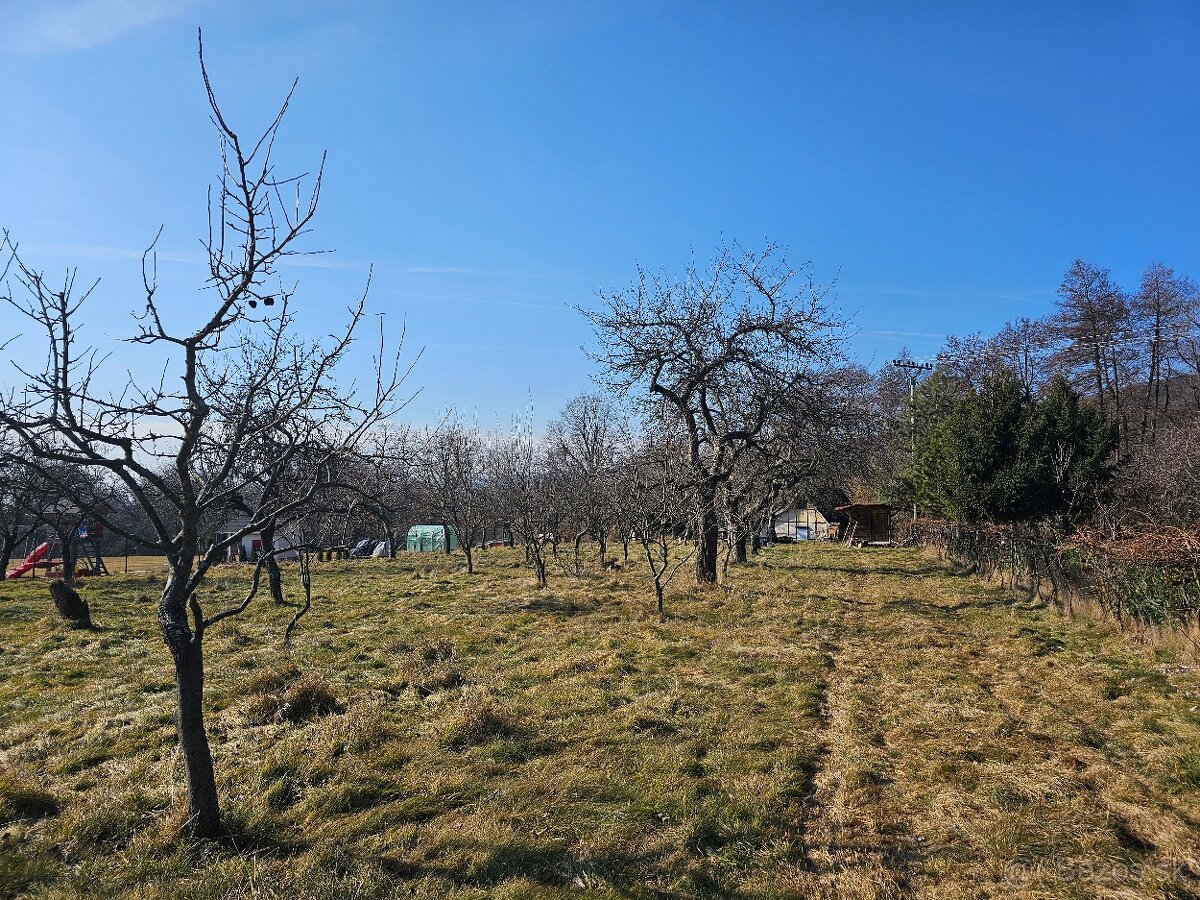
479 719
290 697
21 797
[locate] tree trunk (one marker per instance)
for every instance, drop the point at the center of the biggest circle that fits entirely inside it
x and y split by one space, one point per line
70 605
7 547
187 651
66 540
470 559
274 576
601 539
739 549
707 541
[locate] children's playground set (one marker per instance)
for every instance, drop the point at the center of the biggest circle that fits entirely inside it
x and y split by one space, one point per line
47 555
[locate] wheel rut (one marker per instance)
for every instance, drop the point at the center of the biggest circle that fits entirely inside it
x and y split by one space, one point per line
850 849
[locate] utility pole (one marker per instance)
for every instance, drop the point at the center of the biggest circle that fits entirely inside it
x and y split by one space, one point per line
912 368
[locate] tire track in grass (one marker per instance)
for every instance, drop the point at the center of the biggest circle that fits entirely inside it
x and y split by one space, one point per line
851 850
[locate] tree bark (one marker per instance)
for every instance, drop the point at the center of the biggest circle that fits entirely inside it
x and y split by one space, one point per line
739 550
187 651
470 558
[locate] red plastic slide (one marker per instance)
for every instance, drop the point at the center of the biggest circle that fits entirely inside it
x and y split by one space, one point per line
30 561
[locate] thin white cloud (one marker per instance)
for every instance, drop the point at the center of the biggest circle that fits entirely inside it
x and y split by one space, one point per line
55 26
489 301
887 333
71 252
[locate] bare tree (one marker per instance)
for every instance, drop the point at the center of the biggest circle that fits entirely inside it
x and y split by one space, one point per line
723 348
1092 325
378 487
456 477
240 379
25 500
585 441
524 495
1024 348
1160 311
651 490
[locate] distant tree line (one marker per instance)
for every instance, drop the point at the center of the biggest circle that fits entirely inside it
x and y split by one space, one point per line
1089 416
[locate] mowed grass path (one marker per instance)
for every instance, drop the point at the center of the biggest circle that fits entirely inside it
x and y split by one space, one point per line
830 723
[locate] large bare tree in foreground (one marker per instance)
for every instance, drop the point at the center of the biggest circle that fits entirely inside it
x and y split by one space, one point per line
247 415
725 348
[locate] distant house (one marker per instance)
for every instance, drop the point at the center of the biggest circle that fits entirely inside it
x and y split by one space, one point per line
251 546
867 523
797 523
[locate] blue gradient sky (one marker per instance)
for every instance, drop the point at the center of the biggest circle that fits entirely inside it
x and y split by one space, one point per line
498 163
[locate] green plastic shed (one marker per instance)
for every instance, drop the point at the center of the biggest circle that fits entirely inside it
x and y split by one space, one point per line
432 539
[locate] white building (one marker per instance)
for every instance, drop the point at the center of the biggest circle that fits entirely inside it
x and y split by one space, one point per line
252 545
797 523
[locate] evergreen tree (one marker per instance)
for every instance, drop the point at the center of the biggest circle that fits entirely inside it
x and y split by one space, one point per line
1072 445
992 453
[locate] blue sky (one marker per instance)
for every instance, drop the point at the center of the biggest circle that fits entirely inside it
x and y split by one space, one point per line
500 163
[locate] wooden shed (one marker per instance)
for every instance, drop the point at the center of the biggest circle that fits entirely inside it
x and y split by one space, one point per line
867 523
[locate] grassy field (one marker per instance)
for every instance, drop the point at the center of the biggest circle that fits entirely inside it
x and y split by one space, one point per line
830 723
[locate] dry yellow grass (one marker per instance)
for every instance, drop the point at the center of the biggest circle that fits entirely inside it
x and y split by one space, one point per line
830 723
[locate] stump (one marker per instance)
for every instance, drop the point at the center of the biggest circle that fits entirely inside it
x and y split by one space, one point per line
70 605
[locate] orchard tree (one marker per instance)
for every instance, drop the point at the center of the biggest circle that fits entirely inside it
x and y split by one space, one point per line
455 468
525 494
25 501
239 380
723 348
378 488
651 491
585 442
